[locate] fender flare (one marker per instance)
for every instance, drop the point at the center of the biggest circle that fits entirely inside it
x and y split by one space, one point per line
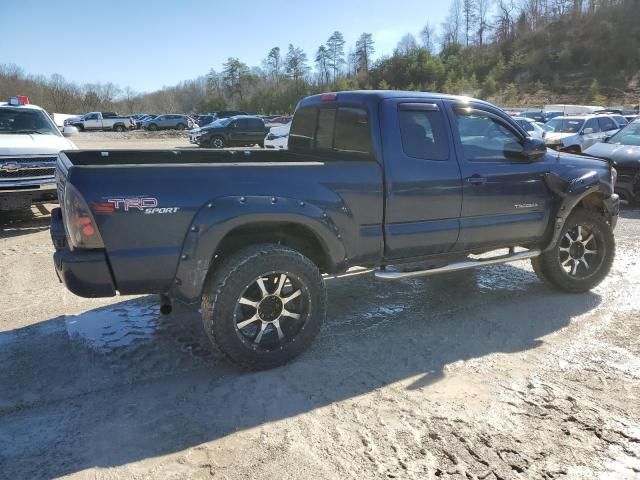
219 217
570 193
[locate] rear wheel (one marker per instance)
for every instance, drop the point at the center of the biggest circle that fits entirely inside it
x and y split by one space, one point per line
264 305
582 257
181 126
119 128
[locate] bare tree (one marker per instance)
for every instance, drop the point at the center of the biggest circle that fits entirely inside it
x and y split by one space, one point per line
483 8
452 26
428 36
407 44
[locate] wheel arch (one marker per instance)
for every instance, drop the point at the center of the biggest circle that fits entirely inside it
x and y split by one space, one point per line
587 192
228 224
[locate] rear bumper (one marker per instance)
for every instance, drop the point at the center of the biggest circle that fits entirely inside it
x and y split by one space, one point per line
85 273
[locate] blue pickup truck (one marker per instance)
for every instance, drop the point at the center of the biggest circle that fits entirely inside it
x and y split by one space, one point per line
408 184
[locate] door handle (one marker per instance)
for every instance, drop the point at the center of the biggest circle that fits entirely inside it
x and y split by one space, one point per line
476 180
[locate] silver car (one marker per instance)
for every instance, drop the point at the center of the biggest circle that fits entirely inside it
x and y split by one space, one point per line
574 134
169 121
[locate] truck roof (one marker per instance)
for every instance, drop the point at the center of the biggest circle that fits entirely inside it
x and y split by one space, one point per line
375 96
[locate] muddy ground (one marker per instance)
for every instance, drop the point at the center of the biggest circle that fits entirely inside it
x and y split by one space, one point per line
482 374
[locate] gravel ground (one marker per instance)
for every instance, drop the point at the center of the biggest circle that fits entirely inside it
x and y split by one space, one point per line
136 139
482 374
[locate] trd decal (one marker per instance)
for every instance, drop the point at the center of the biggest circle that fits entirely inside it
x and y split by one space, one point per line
148 205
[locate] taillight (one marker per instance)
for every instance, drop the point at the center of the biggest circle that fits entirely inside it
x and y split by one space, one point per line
78 221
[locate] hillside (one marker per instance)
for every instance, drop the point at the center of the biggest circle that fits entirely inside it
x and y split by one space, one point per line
530 53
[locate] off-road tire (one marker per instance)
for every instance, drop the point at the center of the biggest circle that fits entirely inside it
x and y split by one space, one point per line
549 268
228 283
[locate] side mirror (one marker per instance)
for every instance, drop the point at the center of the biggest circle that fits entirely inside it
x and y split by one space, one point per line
69 131
587 131
533 148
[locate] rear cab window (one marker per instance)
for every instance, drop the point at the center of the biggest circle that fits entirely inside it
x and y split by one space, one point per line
342 131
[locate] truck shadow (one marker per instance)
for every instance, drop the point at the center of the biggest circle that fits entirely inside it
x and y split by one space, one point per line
120 384
21 222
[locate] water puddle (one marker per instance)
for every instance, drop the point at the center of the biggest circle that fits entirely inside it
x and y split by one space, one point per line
114 327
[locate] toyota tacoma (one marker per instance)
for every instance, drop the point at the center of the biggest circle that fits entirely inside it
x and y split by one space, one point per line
407 184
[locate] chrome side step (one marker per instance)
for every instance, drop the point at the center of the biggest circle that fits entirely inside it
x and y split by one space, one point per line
454 267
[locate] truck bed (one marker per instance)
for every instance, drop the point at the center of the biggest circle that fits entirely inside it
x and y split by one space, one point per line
144 246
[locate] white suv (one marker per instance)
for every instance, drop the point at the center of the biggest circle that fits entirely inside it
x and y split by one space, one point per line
574 134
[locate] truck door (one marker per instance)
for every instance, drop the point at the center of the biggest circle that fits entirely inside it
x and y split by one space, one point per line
92 122
504 199
424 191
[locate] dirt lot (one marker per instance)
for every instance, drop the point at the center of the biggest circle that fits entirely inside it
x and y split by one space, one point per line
137 139
483 374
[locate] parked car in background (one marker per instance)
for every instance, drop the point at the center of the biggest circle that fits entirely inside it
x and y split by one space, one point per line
238 131
623 149
530 126
575 134
98 121
278 137
170 121
29 144
536 115
203 120
552 114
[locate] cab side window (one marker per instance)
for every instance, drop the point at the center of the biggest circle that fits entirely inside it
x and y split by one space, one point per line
486 137
423 133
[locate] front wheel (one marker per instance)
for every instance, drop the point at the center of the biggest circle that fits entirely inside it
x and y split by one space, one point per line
181 126
153 127
582 257
264 305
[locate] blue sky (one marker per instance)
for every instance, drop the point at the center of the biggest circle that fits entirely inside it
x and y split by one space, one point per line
148 44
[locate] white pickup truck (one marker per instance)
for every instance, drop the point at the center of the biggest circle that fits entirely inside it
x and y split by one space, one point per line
29 147
97 121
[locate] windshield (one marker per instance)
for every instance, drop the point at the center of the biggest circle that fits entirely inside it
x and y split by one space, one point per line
564 125
21 120
629 135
